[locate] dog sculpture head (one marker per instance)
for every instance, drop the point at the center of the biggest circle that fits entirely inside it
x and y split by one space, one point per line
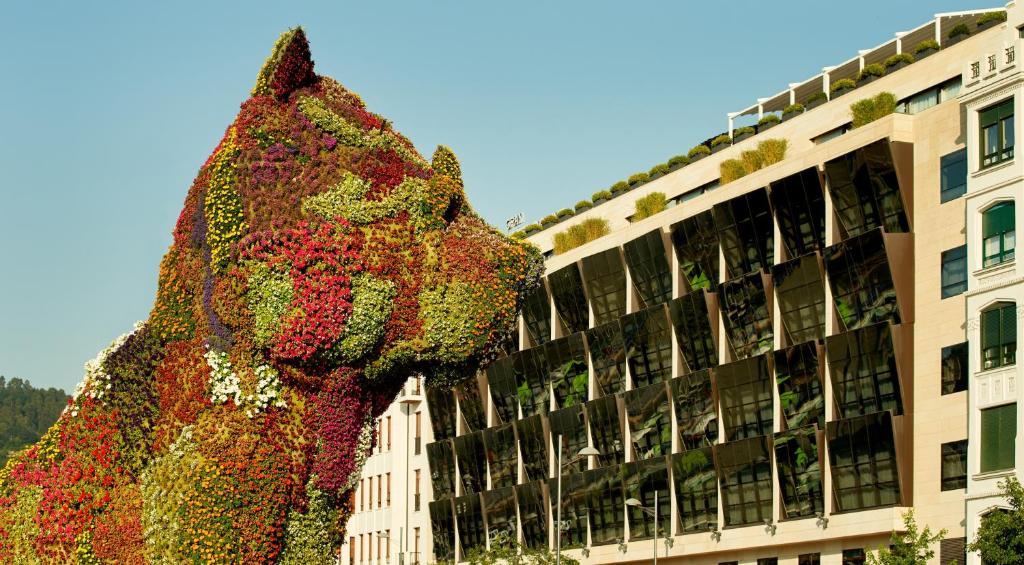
318 263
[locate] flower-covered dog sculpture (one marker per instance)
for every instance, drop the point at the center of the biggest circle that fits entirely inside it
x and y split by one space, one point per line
318 263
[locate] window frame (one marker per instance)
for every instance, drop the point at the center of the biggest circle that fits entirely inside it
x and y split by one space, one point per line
952 258
1000 461
1000 115
950 164
988 217
1003 352
954 454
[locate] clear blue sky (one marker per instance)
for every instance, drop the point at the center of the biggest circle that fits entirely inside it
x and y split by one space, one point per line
107 112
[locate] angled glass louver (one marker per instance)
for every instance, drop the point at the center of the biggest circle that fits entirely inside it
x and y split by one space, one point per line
695 241
862 457
799 204
502 455
470 406
533 516
694 334
865 190
696 482
696 415
605 277
798 376
567 370
650 421
606 504
441 406
863 289
648 265
501 382
533 447
745 390
747 317
570 300
648 345
442 525
608 358
537 316
500 512
469 518
441 461
472 458
865 377
746 231
570 425
532 385
641 480
745 476
606 429
801 293
575 508
799 469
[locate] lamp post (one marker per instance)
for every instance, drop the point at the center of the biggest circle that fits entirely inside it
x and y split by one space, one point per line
585 452
653 513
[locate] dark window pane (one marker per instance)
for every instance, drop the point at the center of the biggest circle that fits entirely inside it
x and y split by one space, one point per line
470 405
745 390
954 368
768 561
567 370
954 271
441 406
864 374
862 285
648 345
953 551
862 452
998 437
799 203
532 514
799 469
568 423
537 316
865 190
648 265
746 231
999 336
470 519
641 481
502 455
746 481
801 292
996 123
696 484
500 510
696 416
853 556
570 301
694 334
469 451
532 385
695 240
501 381
798 375
650 424
441 461
607 505
954 465
608 358
998 230
606 429
575 515
809 559
605 277
442 524
953 175
748 322
533 447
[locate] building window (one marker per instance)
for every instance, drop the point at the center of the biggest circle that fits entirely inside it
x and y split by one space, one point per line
954 465
768 561
416 495
952 551
418 440
996 124
999 234
809 559
998 435
389 433
605 277
931 96
954 271
954 368
999 336
953 174
389 489
864 464
853 556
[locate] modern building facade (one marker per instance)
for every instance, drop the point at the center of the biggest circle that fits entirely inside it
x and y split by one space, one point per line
779 364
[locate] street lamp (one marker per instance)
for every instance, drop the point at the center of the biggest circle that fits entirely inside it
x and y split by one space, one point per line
585 452
653 513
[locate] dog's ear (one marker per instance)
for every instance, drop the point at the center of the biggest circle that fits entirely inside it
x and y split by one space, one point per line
288 68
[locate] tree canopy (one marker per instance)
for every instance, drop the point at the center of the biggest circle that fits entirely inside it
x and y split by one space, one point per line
26 413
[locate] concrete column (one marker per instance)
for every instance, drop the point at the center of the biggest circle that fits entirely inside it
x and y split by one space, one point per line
938 30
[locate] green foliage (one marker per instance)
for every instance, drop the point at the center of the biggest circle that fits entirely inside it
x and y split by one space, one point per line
899 58
601 195
769 119
870 109
842 84
730 170
743 131
649 205
316 111
678 160
659 169
532 228
505 550
958 30
1000 538
768 152
991 17
872 70
583 205
772 151
638 178
697 150
620 187
348 200
797 108
912 547
584 232
25 414
549 219
266 74
444 162
815 97
563 213
269 294
926 45
310 537
371 307
723 139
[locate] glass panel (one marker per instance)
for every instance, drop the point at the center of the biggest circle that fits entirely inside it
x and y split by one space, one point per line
501 381
862 284
648 345
953 175
533 514
570 302
696 484
999 336
648 266
441 461
605 277
745 390
863 368
567 366
748 322
537 316
696 416
798 376
853 556
575 512
441 406
470 405
998 437
442 524
998 223
996 124
469 451
532 386
799 203
954 271
502 456
865 190
650 424
746 481
608 357
796 455
500 510
641 481
607 505
746 231
954 465
470 519
954 368
569 424
533 447
862 453
692 323
695 240
801 292
606 429
923 101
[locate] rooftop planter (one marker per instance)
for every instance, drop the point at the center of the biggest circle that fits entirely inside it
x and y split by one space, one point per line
638 179
815 100
742 133
698 152
601 196
870 109
925 48
721 142
583 206
841 87
584 232
618 188
678 162
649 205
898 61
531 229
870 73
563 214
658 171
989 19
792 110
767 121
548 221
958 34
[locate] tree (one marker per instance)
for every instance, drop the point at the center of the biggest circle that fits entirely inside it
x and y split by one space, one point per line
911 547
1000 538
505 550
25 414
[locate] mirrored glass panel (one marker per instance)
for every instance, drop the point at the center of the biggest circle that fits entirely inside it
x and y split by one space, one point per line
748 323
537 316
746 231
745 389
865 190
442 525
500 510
606 429
645 480
575 510
862 283
696 416
608 357
692 322
696 482
650 422
798 375
441 460
568 372
799 204
570 425
470 405
605 276
862 453
570 301
797 461
441 406
695 241
502 455
533 447
648 265
801 292
532 514
469 517
532 386
469 451
607 505
864 371
746 481
648 345
501 382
